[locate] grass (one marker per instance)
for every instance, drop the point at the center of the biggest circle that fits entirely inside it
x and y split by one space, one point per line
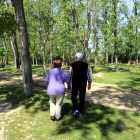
36 69
33 121
127 77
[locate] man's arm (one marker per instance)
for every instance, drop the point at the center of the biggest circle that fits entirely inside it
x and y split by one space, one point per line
70 73
89 79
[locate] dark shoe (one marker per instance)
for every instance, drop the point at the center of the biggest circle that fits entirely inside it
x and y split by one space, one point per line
53 118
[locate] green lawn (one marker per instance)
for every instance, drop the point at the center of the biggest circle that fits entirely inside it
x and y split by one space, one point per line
36 69
98 122
127 77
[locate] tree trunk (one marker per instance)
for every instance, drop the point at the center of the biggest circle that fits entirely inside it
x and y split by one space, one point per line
14 60
69 52
112 56
41 41
63 57
115 35
83 41
15 50
95 32
106 47
136 46
35 59
106 56
49 45
24 47
6 55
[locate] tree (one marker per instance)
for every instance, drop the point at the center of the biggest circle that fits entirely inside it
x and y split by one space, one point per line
115 2
135 3
84 41
24 47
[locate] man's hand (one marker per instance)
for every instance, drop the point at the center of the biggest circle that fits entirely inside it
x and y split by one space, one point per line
89 87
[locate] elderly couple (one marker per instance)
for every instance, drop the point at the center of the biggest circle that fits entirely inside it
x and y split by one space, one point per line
79 73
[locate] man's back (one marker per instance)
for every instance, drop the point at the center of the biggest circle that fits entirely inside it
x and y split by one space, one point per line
79 78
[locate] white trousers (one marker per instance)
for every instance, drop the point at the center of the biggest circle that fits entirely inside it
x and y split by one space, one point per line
56 105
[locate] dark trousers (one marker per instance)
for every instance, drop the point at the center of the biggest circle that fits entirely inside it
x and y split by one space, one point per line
82 93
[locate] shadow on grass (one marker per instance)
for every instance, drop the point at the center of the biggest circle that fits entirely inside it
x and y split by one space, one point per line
93 114
35 102
133 84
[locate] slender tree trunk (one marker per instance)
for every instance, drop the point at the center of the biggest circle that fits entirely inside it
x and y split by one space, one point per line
24 47
95 32
83 41
69 52
49 45
63 57
106 47
33 59
15 50
14 59
115 35
136 46
41 41
5 47
2 59
112 55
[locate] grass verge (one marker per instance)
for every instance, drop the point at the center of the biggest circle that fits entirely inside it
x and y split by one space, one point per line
127 77
33 121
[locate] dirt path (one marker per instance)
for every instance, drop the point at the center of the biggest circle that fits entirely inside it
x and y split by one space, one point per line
99 93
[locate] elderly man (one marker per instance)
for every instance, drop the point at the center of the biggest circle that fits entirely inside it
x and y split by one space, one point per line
79 73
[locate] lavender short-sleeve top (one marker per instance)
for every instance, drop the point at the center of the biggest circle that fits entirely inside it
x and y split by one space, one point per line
55 80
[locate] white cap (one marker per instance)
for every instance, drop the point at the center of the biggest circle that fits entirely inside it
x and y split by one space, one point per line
79 55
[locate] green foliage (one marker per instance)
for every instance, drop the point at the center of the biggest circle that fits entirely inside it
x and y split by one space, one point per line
2 51
8 23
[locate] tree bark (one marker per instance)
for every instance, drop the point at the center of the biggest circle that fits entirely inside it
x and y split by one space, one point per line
112 55
136 32
49 45
33 59
95 32
15 50
115 35
6 56
63 57
24 47
106 47
41 41
69 52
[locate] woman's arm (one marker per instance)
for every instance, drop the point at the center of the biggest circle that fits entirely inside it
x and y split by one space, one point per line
67 80
47 78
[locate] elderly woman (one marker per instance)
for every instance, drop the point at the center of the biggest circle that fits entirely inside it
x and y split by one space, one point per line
56 89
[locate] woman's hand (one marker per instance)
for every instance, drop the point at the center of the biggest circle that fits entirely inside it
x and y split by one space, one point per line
69 89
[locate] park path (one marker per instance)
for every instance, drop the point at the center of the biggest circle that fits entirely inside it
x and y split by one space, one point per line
99 93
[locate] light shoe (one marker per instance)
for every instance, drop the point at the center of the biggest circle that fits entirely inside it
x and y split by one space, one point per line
76 112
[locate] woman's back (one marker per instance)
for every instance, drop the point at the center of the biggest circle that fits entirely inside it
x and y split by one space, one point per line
55 79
